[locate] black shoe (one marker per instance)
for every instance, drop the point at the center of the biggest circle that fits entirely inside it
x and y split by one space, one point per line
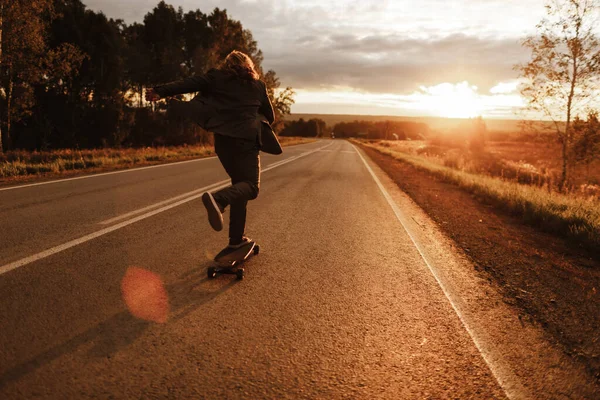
215 215
239 243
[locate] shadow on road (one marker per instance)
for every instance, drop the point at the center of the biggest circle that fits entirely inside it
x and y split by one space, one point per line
122 329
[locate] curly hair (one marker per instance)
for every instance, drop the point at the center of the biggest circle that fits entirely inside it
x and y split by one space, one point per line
240 64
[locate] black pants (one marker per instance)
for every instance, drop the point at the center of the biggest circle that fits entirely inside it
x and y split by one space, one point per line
241 160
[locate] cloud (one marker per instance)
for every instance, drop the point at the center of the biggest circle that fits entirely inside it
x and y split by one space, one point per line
380 47
395 64
506 87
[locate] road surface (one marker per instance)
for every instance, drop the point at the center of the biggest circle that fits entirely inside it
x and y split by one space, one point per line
342 302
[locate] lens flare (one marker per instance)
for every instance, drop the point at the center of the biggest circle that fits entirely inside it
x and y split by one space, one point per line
145 295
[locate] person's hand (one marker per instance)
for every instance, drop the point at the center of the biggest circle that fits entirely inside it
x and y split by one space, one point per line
151 95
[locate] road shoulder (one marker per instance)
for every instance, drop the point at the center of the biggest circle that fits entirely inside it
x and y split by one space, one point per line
503 291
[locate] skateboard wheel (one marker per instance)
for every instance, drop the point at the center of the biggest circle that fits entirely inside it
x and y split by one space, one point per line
256 250
240 274
211 272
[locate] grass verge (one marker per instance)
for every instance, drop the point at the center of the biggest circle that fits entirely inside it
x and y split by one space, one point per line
575 218
16 166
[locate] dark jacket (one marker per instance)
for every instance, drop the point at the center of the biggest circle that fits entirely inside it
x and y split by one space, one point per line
227 104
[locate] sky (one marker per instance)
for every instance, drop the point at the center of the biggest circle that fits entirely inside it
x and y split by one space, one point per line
449 58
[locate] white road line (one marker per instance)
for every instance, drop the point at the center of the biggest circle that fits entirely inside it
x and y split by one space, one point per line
193 192
161 203
282 161
400 216
65 246
113 172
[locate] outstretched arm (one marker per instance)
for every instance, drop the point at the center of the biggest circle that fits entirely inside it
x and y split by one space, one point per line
189 85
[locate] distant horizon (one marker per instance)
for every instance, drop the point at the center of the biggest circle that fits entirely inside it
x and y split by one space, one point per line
433 122
412 116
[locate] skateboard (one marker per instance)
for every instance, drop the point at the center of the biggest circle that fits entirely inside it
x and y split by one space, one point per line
230 261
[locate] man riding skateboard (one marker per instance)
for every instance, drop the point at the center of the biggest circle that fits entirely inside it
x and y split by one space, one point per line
232 102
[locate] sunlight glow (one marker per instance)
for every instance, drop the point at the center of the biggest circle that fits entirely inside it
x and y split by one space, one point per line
505 87
458 100
452 100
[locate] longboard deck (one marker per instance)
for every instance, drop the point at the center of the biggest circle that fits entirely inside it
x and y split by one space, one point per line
229 262
235 256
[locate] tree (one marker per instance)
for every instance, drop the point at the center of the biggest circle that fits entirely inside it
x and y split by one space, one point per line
91 99
163 35
158 48
104 72
137 60
197 35
586 148
282 100
22 53
564 67
311 128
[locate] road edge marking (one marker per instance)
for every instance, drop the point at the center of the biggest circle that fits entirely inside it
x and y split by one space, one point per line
400 216
86 238
104 174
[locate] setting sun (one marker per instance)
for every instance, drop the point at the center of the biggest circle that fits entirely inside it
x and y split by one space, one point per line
451 100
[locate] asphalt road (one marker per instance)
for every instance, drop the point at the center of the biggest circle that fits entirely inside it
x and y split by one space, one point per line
339 304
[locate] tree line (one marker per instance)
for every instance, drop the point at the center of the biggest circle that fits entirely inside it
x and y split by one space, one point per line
385 130
73 78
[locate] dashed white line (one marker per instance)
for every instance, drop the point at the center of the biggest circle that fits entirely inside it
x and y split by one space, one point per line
167 201
214 186
65 246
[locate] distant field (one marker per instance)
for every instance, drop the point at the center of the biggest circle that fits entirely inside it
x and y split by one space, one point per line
435 123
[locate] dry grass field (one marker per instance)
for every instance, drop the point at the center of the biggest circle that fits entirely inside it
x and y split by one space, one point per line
537 163
18 166
520 188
